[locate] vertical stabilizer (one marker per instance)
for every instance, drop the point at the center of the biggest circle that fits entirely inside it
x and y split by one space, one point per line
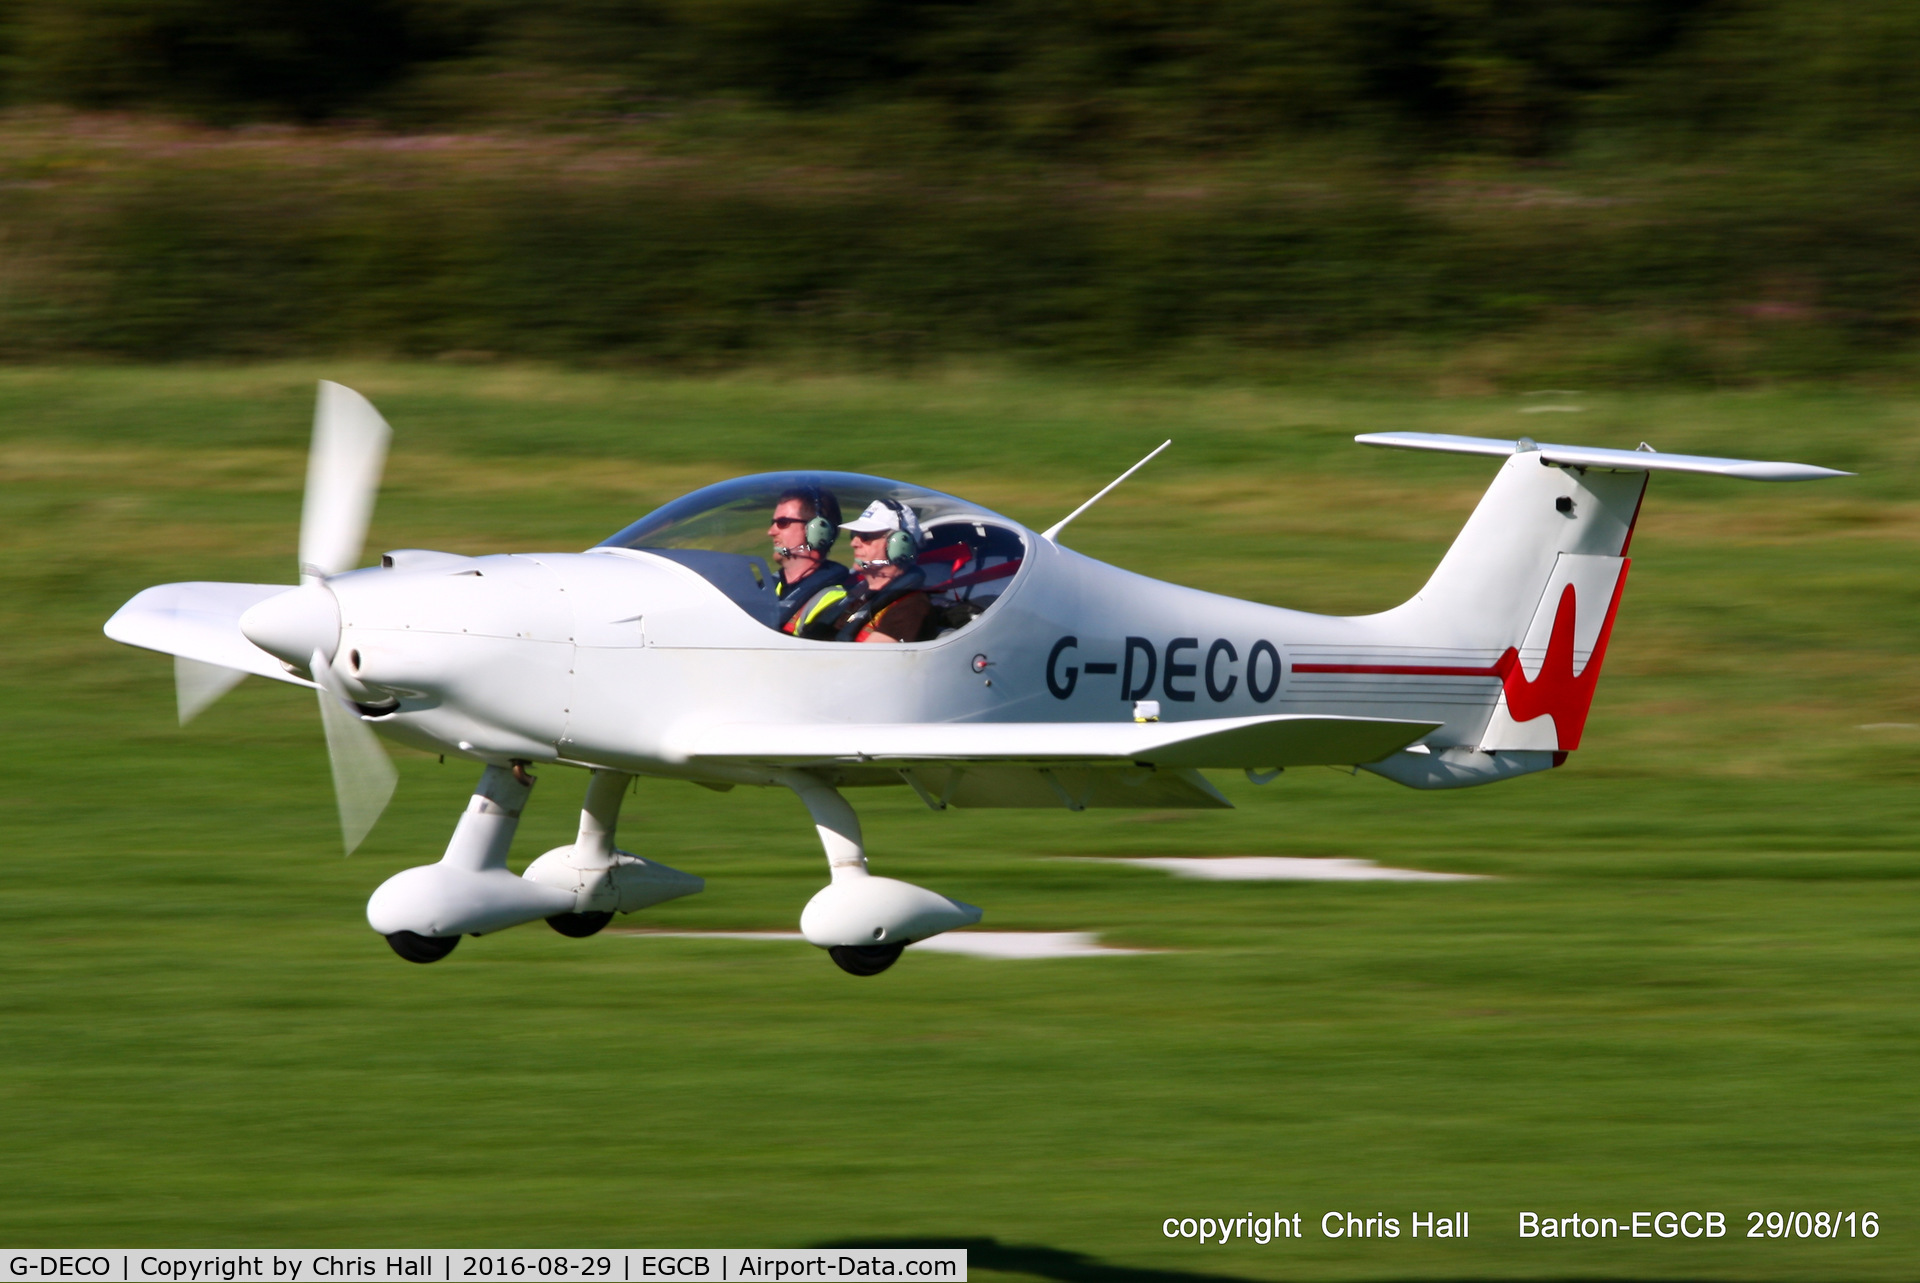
1533 582
1486 589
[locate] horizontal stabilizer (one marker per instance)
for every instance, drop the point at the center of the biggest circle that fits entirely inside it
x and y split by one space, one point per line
1583 456
200 621
1224 742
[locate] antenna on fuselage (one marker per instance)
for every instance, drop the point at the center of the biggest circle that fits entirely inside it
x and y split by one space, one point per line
1049 533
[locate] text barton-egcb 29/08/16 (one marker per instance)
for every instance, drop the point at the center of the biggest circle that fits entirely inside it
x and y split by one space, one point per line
1680 1225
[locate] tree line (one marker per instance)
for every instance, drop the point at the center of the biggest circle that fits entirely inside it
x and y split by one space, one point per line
1514 77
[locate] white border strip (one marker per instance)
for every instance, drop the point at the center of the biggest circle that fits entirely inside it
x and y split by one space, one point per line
483 1265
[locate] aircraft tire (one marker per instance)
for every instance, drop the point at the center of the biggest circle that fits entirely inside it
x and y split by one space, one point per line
579 925
865 959
419 948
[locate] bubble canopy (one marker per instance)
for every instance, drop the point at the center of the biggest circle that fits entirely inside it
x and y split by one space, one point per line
967 559
731 516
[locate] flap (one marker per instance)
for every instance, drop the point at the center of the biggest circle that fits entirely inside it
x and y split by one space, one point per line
1076 788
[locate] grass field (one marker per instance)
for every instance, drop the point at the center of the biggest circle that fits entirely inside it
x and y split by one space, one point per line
1693 984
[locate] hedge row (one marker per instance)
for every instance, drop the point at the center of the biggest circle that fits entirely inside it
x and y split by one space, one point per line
684 263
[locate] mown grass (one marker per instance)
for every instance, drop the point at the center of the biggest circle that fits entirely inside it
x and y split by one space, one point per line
1692 984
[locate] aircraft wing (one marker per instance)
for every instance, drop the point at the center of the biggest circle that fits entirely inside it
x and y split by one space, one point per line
1260 743
200 621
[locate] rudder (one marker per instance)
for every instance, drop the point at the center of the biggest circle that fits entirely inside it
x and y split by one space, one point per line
1486 590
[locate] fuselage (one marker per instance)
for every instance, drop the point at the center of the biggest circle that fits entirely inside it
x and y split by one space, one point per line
615 657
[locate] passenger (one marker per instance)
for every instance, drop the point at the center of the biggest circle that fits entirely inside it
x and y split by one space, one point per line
887 605
805 523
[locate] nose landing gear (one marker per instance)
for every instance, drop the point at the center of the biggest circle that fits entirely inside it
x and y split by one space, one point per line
424 911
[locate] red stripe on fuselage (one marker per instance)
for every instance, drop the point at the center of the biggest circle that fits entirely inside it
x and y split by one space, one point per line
1408 670
1556 690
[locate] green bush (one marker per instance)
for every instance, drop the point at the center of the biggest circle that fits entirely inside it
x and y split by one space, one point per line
370 251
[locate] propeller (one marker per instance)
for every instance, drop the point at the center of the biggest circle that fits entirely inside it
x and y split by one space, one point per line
343 476
197 685
303 626
363 775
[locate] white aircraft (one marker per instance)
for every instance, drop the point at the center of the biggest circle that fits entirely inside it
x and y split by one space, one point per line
1041 678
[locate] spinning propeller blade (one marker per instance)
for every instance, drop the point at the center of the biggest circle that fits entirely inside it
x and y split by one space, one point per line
343 475
363 777
197 684
219 632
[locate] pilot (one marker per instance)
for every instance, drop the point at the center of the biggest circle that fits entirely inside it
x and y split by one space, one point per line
888 604
805 523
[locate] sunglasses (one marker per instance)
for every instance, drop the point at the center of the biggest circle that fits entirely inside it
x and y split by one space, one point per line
789 521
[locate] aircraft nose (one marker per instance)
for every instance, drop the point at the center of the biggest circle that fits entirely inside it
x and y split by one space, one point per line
293 625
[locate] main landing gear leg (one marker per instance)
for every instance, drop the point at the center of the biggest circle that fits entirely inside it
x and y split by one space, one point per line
863 922
593 848
598 880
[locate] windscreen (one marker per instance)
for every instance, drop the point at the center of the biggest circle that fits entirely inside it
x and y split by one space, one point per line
727 534
733 516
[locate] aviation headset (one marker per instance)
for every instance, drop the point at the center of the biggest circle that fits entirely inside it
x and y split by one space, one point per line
901 545
823 528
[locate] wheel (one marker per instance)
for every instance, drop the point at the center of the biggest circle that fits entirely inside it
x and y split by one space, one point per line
865 959
419 948
579 925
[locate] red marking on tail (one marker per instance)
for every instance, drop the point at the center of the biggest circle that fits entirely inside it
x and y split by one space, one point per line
1556 690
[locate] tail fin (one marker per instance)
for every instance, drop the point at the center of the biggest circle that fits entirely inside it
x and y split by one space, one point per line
1536 575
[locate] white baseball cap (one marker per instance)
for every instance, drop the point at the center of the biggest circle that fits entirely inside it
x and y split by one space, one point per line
882 516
